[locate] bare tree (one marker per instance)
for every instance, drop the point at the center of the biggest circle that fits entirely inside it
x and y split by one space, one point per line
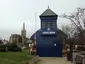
69 31
78 22
77 18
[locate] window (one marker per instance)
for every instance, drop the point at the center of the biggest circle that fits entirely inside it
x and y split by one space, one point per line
53 24
48 24
43 25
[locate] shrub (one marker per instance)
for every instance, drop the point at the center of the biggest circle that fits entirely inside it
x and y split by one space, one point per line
2 48
17 49
13 47
9 47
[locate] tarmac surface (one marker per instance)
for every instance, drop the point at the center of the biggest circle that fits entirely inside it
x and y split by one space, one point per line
53 60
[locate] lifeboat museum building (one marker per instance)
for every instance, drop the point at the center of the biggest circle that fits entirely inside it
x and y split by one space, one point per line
49 39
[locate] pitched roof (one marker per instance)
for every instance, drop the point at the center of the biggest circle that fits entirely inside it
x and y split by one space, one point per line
48 12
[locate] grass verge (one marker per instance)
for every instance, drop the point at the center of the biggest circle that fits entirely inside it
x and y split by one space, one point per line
15 57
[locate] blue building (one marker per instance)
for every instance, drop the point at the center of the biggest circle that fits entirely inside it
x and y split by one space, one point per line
49 38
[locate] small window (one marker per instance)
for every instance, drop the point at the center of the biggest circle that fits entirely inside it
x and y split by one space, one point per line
53 24
48 24
43 25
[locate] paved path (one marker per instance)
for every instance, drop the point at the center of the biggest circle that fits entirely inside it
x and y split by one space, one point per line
53 60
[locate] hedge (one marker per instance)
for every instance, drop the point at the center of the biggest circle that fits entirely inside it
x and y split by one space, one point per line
9 47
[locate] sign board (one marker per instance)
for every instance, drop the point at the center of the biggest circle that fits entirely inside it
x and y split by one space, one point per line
49 33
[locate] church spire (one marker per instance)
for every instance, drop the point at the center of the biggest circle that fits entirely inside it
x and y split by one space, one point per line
23 26
23 34
23 31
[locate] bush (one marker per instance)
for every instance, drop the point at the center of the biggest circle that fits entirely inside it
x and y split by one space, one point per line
17 49
9 47
2 48
13 47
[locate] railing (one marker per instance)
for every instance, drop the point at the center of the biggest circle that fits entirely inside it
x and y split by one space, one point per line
33 61
79 59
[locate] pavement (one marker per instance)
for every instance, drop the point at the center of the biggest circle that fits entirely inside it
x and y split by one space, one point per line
53 60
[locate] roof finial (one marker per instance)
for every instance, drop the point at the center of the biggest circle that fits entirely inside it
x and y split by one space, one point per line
48 6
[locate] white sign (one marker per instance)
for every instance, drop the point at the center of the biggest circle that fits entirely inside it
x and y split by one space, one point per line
48 32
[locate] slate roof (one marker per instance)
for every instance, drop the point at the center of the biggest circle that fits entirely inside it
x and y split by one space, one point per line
48 12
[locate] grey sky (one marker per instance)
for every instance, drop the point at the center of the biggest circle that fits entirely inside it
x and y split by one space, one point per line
14 12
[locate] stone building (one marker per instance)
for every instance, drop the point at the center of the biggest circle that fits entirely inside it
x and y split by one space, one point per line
16 39
20 40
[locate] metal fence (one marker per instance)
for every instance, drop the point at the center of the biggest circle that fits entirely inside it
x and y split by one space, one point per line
79 59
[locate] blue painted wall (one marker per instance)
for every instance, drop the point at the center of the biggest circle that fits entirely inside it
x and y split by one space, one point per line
47 43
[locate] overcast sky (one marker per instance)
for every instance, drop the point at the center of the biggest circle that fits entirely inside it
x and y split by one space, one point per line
14 12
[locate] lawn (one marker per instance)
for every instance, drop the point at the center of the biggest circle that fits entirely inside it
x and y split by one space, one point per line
15 57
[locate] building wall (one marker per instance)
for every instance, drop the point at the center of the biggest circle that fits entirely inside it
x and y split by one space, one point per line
45 45
16 39
48 46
